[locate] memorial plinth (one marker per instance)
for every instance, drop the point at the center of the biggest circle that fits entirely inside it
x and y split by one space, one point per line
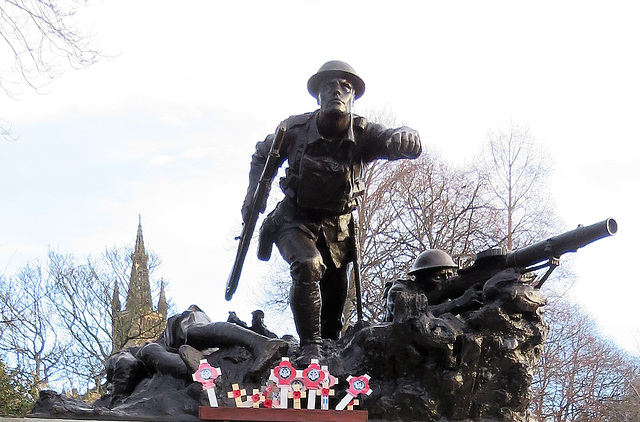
281 415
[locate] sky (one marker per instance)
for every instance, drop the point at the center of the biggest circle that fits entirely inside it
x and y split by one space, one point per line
165 124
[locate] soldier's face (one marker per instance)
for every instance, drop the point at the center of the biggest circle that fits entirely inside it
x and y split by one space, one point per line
336 96
442 275
431 279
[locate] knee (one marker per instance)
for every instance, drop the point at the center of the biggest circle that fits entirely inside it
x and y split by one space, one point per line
308 271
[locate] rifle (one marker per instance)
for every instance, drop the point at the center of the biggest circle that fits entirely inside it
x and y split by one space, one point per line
258 205
530 258
355 239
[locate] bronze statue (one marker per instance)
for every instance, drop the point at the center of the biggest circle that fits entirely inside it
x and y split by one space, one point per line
430 271
466 363
187 338
326 151
447 292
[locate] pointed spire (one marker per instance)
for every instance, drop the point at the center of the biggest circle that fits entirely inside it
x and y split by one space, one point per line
139 295
139 249
162 302
115 300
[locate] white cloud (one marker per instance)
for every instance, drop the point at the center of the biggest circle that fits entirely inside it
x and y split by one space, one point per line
172 119
162 159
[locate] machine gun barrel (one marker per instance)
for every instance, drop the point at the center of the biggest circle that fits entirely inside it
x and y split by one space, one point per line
489 263
557 246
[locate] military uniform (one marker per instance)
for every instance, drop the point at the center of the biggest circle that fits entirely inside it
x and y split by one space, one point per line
311 225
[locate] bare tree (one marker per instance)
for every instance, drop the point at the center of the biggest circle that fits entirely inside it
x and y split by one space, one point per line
58 318
581 375
29 339
412 206
83 299
628 408
6 131
515 168
38 40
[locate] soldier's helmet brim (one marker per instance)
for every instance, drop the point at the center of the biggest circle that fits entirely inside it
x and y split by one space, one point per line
335 69
432 260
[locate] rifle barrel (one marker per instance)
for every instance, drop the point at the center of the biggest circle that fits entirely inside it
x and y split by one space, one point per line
241 254
258 204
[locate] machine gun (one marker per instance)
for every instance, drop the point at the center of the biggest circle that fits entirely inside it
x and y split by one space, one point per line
530 258
258 205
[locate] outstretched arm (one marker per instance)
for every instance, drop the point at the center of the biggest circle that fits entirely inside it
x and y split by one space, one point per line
388 143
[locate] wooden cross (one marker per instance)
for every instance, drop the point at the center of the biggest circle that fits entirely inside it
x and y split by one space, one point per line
312 378
255 399
353 402
237 394
283 375
296 394
357 385
271 394
325 393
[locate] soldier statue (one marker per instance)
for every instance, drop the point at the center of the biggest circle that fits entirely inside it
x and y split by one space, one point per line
326 151
430 270
187 338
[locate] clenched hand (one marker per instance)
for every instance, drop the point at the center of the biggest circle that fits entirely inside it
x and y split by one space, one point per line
404 143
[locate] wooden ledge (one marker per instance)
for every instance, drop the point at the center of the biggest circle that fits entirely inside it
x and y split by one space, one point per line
281 415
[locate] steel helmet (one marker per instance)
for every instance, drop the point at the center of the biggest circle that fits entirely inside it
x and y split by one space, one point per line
335 69
432 259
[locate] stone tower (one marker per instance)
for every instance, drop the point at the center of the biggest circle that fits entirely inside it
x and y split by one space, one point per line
138 322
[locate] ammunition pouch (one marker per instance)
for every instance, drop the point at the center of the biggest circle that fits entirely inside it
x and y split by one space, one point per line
327 182
266 238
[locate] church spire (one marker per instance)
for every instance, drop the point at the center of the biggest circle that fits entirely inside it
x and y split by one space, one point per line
162 302
138 323
139 249
139 295
115 302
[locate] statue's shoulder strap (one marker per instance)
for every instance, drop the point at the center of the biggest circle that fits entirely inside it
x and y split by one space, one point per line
359 123
298 119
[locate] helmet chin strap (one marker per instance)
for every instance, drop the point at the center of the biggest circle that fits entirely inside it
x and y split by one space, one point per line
352 101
